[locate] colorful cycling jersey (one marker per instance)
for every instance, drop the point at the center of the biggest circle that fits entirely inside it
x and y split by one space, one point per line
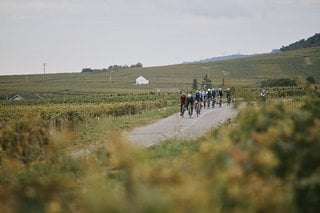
228 93
213 93
197 96
189 100
209 95
183 99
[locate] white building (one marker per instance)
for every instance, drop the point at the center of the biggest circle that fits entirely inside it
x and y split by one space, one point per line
17 98
141 80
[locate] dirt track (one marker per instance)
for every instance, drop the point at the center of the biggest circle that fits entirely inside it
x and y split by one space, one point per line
176 126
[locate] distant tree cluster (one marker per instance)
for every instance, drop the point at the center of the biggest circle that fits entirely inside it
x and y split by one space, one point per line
89 70
195 84
137 65
112 68
206 82
310 42
311 79
282 82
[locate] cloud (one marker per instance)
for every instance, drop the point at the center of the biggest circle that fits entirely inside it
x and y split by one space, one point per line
47 5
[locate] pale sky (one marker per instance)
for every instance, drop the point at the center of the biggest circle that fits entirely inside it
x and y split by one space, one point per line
69 35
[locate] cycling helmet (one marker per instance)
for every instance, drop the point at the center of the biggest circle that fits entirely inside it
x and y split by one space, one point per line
228 89
189 95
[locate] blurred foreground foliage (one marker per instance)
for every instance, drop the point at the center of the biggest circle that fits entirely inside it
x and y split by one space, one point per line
267 160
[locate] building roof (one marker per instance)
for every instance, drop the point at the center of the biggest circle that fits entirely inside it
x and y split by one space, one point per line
141 77
19 97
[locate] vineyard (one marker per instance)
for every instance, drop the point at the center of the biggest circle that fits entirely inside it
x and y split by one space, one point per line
63 114
265 160
267 153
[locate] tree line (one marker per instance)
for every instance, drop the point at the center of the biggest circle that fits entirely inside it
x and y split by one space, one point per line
310 42
205 84
113 68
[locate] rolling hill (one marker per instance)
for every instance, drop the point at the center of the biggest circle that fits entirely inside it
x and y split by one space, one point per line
312 41
247 71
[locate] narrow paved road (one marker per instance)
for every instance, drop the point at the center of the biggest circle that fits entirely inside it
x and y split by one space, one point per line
176 126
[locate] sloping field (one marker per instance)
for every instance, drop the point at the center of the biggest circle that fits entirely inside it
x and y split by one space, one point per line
245 71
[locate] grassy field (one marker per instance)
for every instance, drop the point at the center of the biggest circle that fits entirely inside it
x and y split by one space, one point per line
238 72
269 152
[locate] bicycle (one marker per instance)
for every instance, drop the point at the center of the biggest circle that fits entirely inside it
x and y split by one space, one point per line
208 102
190 110
228 100
198 108
213 102
182 109
220 101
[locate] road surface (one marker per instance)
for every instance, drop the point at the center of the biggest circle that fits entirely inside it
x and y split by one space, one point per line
179 127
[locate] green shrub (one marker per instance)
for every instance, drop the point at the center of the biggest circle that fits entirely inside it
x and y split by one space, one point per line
293 139
266 161
282 82
24 139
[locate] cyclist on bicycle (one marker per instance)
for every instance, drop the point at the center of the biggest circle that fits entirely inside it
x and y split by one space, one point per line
204 96
220 92
213 94
209 96
183 99
228 95
263 94
220 95
197 96
198 101
190 101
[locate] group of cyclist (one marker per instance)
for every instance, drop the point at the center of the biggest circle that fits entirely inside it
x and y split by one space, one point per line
205 98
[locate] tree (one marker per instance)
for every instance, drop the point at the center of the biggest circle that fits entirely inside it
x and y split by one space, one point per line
138 65
195 84
310 42
206 82
85 70
311 79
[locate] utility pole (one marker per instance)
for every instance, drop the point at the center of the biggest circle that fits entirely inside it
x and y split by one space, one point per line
44 70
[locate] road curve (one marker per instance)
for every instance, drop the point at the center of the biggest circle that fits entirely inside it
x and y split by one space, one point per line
179 127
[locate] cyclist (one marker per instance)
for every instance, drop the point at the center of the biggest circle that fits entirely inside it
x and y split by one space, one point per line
204 97
201 98
213 94
190 101
209 96
197 95
220 95
263 94
228 95
198 101
183 99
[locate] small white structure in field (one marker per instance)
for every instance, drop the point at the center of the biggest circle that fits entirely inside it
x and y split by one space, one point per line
17 98
141 80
